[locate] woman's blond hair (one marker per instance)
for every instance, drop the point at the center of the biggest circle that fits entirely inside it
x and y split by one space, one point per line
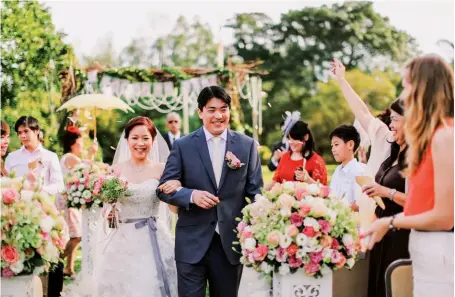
428 104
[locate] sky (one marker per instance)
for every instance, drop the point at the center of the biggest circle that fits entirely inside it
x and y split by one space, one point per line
86 22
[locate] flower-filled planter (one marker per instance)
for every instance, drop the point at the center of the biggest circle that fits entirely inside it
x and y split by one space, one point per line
298 234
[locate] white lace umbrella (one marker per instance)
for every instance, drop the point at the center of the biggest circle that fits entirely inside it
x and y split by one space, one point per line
96 101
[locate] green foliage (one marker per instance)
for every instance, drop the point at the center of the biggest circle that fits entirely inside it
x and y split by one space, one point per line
265 154
296 50
29 42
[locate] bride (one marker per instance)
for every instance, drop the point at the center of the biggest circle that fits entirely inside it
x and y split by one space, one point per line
136 259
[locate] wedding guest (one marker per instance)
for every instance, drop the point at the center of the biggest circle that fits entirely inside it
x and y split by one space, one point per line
4 146
429 209
345 142
278 149
73 147
389 148
301 162
27 128
173 124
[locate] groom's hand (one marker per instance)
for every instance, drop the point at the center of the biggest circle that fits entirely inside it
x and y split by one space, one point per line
204 199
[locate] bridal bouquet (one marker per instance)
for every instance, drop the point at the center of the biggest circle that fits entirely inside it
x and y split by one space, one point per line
78 193
298 226
32 230
109 189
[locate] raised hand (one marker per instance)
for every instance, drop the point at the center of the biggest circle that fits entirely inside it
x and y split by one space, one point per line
204 199
338 69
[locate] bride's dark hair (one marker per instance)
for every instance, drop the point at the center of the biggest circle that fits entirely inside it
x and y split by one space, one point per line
140 121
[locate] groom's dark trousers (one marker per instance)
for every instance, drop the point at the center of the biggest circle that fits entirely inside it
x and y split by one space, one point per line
223 277
201 253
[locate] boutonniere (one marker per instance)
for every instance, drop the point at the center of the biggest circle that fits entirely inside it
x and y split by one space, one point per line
232 161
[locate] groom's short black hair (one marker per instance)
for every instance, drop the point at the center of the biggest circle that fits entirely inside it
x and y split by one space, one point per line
208 93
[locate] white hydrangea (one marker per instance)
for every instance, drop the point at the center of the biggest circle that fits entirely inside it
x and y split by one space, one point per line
284 269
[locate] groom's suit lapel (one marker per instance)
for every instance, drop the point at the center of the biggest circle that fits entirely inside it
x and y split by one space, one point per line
230 142
203 150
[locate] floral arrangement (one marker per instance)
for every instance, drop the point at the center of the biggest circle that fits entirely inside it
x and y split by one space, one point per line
109 189
33 231
232 161
78 191
298 226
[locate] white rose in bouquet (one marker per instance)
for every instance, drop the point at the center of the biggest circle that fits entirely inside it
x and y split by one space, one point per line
81 188
47 223
27 195
82 201
76 200
17 267
314 189
311 222
250 244
284 269
73 188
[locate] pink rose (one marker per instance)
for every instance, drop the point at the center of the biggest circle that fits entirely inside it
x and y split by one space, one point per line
335 244
7 272
341 261
325 226
241 226
300 193
295 262
10 254
309 231
292 249
326 241
273 238
281 255
304 210
325 191
246 234
316 257
89 200
260 252
45 236
9 195
311 268
296 219
292 231
336 257
60 242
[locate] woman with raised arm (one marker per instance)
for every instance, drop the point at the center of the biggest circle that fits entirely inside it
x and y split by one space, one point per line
387 158
429 209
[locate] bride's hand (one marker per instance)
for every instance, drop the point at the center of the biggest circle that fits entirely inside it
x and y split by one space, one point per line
338 69
170 186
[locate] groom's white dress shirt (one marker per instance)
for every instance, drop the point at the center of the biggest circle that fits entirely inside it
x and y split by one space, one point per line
51 171
217 151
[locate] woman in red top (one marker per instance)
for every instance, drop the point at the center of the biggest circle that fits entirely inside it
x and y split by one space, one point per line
301 162
429 209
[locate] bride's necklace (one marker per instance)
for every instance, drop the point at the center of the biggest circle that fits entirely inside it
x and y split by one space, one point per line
137 168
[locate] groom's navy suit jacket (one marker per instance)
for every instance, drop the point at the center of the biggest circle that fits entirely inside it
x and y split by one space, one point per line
190 163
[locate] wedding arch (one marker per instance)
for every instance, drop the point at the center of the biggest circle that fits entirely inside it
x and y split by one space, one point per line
172 89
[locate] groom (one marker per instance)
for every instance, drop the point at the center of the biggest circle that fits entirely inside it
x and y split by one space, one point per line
212 195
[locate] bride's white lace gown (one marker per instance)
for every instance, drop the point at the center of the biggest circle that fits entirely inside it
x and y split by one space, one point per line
126 265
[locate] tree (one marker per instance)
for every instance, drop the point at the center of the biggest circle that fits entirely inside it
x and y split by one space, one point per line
31 46
104 53
188 45
296 50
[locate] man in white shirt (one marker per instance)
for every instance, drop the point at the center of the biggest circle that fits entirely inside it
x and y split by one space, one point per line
345 142
173 124
32 152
